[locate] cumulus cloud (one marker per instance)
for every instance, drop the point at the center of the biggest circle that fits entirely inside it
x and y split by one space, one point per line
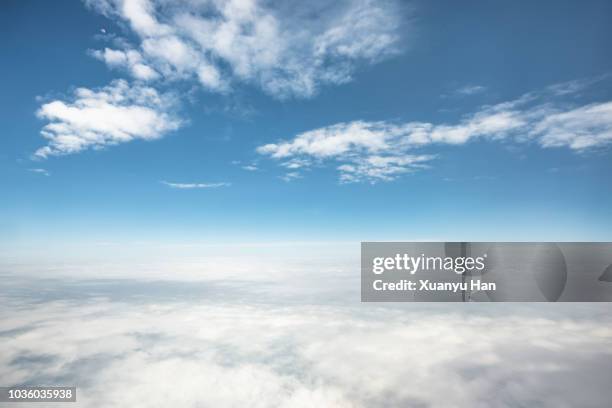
96 118
187 186
380 151
129 59
287 50
122 352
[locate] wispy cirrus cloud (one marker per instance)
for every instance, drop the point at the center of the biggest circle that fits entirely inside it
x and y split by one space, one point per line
44 172
581 128
364 151
290 176
576 86
95 118
189 186
382 168
382 150
470 90
286 50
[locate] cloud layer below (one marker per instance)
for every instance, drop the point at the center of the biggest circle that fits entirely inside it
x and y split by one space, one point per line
148 351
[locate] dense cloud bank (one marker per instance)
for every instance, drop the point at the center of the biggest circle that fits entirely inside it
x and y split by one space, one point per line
138 343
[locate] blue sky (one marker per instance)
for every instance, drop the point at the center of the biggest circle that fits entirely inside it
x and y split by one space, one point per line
340 121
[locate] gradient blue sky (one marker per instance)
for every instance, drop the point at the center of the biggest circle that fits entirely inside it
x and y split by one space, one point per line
543 173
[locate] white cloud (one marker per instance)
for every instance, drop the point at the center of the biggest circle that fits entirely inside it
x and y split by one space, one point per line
292 175
470 90
364 151
381 168
129 59
287 50
380 151
250 167
336 140
281 326
40 171
259 354
575 86
295 164
93 119
581 128
187 186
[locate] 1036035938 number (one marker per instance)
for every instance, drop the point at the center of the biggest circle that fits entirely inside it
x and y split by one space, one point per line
33 394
